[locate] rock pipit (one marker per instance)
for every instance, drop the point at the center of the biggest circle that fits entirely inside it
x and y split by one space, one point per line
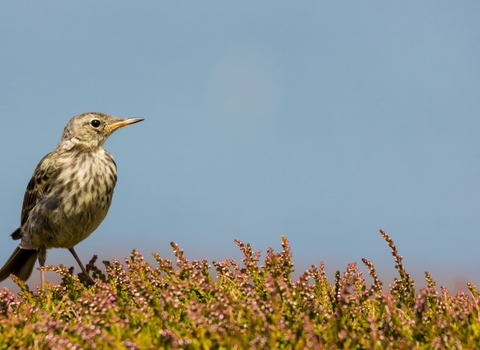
68 195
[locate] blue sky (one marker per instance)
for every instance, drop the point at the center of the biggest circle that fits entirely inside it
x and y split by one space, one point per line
320 121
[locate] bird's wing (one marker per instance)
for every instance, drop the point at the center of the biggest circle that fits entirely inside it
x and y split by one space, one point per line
43 177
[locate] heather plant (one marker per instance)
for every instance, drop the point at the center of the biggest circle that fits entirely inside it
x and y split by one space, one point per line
227 305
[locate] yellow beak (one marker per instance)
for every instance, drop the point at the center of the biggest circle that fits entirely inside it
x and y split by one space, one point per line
121 123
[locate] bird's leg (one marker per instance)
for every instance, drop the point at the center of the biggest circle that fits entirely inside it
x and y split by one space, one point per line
89 279
41 261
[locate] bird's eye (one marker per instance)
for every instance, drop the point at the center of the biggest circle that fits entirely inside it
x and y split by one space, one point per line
95 123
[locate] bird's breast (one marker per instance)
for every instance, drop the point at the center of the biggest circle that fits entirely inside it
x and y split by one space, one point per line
83 193
88 181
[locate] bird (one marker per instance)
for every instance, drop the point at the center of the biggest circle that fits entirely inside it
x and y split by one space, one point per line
68 195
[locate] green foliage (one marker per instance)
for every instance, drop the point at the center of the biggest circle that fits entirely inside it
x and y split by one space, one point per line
139 306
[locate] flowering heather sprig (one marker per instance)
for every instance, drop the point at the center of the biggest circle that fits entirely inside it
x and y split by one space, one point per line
403 288
376 287
473 290
279 265
250 260
323 289
94 271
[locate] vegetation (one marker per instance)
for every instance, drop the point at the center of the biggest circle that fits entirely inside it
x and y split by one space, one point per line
240 307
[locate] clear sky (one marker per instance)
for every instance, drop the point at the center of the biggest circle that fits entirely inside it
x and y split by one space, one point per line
320 121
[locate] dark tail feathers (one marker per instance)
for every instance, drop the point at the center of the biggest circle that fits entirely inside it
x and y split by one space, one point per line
20 263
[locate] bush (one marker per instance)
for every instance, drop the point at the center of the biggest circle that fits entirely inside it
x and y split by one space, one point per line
243 307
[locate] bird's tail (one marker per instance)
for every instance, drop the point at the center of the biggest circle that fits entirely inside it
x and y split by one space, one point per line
20 263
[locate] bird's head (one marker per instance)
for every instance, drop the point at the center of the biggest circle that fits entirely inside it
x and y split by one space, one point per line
91 130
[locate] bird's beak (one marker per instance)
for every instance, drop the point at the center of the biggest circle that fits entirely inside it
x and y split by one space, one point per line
121 123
